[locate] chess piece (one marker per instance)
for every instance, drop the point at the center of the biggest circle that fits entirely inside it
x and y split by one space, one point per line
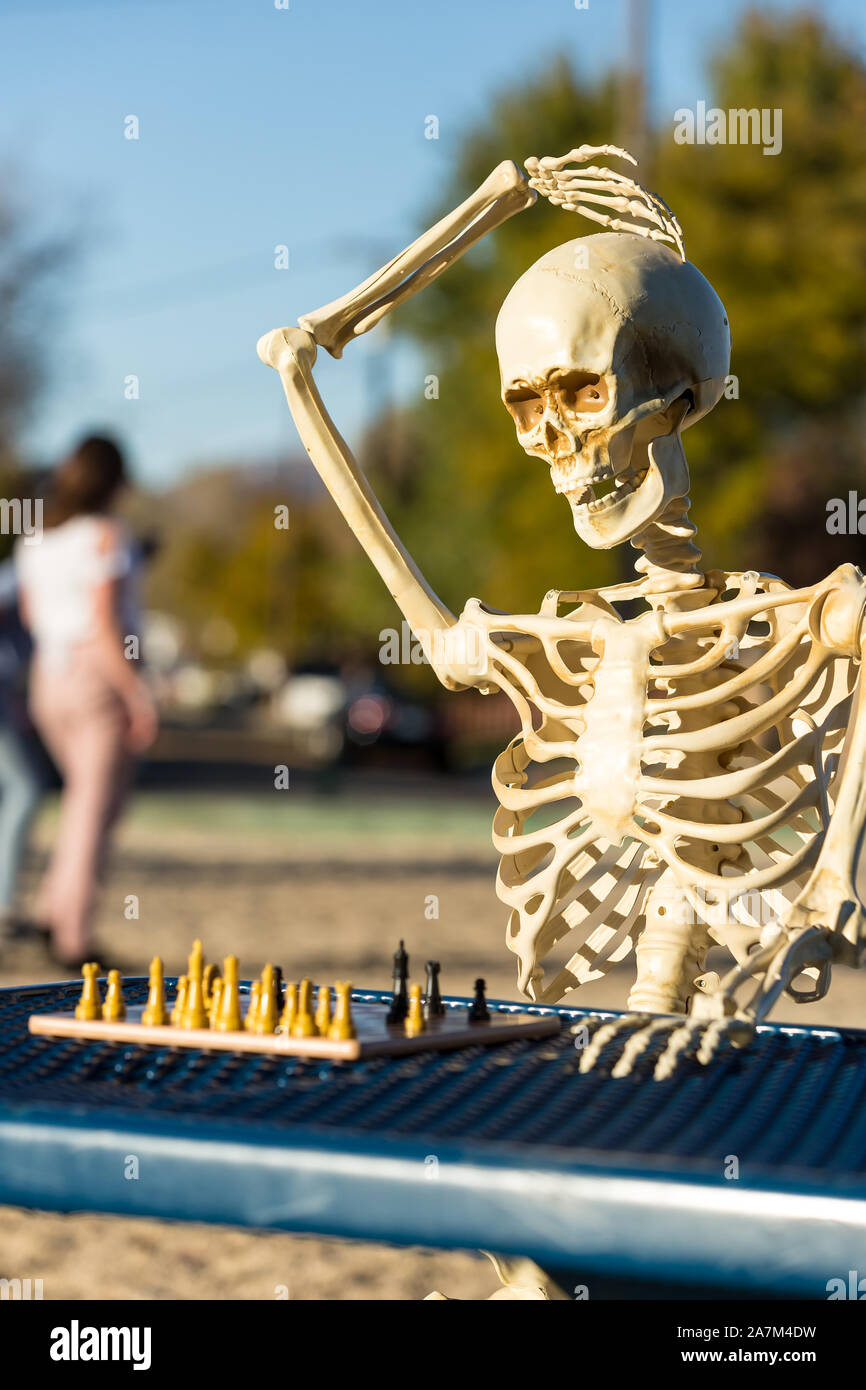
414 1021
290 1009
215 1000
342 1027
279 988
195 960
89 1006
155 1014
209 975
266 1015
433 1006
323 1011
114 1008
304 1025
179 1000
251 1019
478 1010
194 1013
399 1002
229 1020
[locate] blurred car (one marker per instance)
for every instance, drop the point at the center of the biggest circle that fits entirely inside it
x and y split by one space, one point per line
334 717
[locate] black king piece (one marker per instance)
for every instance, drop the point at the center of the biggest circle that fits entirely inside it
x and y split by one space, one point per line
400 1000
433 1006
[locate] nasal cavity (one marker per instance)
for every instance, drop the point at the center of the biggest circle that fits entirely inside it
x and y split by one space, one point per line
552 435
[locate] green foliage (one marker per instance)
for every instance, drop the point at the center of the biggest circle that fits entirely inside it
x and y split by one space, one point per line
780 237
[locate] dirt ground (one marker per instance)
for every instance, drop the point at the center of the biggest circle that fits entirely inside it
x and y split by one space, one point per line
321 886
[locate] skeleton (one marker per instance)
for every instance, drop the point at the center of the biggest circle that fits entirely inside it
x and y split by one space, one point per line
690 767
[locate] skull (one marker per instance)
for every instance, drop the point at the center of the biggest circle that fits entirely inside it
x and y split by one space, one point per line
608 346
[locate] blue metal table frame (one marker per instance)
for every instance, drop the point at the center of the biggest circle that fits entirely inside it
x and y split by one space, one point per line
505 1148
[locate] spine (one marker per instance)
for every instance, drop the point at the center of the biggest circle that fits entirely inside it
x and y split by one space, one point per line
670 560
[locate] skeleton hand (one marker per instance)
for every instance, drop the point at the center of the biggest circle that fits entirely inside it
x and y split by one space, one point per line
785 953
716 1017
609 191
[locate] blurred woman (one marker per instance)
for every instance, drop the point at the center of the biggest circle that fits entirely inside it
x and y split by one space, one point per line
87 699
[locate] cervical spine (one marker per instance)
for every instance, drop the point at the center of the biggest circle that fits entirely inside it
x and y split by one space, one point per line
670 560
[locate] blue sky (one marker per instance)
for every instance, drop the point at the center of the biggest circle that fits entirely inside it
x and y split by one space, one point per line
258 127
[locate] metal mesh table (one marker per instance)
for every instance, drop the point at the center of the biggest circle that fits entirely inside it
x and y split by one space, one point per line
748 1175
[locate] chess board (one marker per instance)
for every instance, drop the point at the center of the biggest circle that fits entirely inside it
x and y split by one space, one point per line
374 1037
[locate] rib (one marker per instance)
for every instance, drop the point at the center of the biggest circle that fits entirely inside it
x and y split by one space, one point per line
543 793
743 680
744 830
691 875
706 662
565 917
751 607
723 785
733 731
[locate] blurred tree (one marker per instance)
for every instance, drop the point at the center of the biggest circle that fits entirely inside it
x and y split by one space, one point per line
781 239
224 551
30 262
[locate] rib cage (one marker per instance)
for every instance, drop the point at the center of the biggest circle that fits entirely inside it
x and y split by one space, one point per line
741 735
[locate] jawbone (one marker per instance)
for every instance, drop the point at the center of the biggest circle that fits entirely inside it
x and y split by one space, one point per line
655 475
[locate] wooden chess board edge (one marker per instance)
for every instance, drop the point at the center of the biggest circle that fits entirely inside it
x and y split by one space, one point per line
170 1035
434 1039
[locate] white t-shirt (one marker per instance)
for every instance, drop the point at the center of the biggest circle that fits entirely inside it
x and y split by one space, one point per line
59 575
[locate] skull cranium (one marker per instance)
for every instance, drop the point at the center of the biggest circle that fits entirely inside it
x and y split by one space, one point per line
607 347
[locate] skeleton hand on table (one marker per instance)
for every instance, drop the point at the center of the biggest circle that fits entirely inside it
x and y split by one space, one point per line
787 950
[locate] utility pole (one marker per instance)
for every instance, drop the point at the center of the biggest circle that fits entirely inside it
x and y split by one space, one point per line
634 137
634 86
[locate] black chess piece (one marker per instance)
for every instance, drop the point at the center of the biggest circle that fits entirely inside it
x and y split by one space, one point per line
478 1010
279 991
433 1006
400 999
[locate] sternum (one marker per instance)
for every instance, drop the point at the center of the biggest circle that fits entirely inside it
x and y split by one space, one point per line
610 744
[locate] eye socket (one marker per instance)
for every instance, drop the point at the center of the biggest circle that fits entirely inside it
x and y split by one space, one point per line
582 393
525 407
571 392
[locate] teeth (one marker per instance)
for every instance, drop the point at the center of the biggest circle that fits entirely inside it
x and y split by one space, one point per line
602 503
581 496
566 477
